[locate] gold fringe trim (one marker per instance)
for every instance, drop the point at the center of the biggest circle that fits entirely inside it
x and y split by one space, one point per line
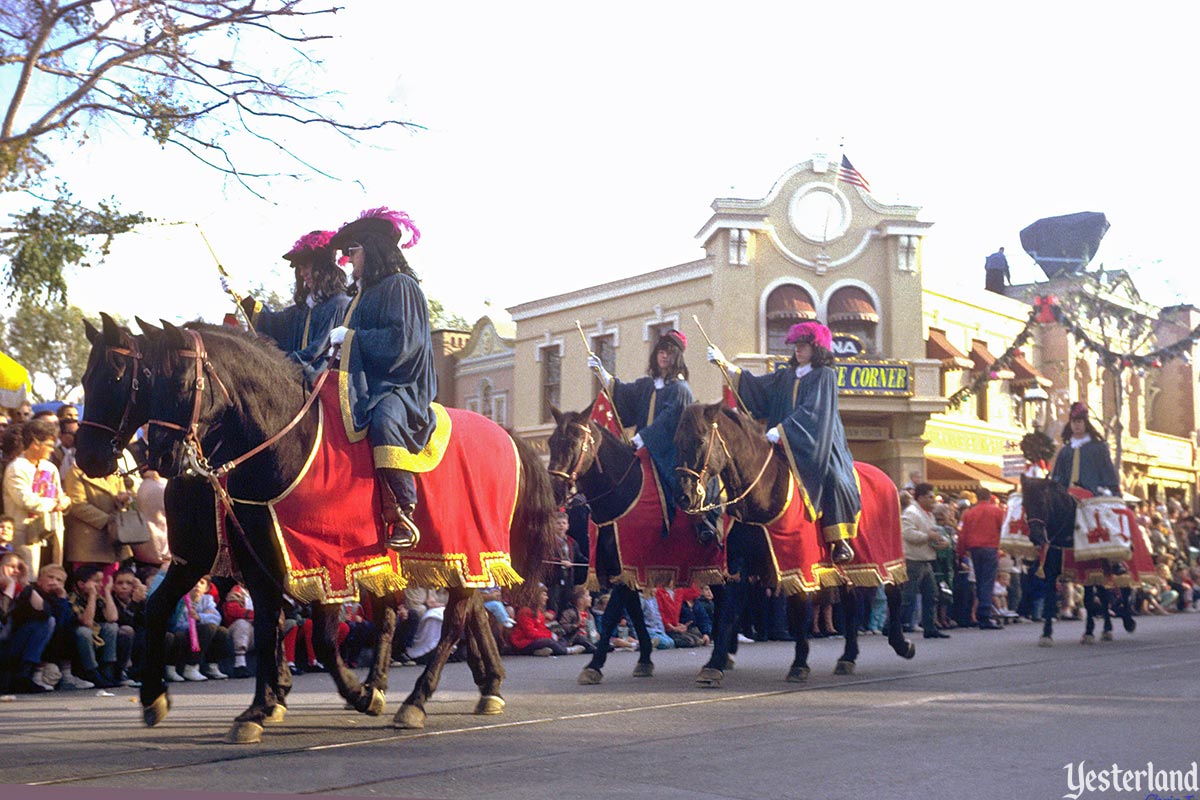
382 584
707 577
453 570
661 575
592 584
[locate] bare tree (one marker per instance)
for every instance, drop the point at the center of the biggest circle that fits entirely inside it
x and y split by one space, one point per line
169 67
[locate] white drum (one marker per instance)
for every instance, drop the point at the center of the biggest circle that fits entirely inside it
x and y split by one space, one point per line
1014 533
1102 530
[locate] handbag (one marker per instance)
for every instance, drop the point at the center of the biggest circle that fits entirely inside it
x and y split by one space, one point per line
131 526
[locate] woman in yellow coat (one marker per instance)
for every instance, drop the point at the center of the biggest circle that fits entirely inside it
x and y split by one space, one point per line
91 522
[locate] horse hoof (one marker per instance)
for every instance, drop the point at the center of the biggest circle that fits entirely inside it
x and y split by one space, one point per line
1130 624
798 675
1045 641
844 668
276 716
1087 638
909 651
643 669
589 677
490 704
710 678
1106 636
409 718
728 663
377 704
156 712
244 733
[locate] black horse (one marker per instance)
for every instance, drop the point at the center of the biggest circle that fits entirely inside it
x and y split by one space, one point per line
235 393
1050 513
590 459
713 440
117 390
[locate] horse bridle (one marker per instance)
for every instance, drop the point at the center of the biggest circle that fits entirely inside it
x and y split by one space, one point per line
715 437
191 436
135 355
589 442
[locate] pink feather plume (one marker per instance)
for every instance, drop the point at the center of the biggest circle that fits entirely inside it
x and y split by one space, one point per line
399 219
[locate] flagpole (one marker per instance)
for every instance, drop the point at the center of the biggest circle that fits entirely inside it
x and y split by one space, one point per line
724 373
837 174
237 299
603 389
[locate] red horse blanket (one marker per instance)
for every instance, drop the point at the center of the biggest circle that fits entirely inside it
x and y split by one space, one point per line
328 524
647 557
801 558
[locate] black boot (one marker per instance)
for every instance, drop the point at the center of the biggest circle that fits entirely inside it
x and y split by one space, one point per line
841 552
403 533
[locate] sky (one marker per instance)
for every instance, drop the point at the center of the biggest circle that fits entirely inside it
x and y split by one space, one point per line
564 145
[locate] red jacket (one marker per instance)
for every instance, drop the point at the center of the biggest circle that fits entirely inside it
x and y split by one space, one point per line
980 526
669 607
529 629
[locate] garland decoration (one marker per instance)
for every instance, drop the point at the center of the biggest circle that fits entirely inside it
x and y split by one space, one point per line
1046 311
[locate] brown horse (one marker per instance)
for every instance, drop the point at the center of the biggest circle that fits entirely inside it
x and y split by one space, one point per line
713 440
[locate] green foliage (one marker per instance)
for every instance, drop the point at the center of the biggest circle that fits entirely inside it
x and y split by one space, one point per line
440 318
42 241
48 339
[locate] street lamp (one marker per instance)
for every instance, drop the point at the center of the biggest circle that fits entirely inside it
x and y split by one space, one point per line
1036 401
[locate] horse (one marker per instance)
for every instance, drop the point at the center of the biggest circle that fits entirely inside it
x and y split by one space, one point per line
1050 514
117 394
589 458
714 440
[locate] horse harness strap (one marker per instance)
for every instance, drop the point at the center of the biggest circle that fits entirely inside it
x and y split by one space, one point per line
132 352
715 434
200 356
589 442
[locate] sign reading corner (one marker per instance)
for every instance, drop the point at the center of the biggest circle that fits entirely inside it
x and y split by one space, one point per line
874 377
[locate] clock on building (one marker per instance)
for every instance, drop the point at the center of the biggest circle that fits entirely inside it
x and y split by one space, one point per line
819 212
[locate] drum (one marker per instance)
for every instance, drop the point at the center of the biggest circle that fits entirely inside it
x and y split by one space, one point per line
1014 533
1103 530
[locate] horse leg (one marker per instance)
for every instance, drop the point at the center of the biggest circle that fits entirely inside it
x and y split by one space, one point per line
1127 610
895 625
325 629
799 608
383 612
1050 607
1105 602
849 604
412 711
1090 609
728 613
180 578
267 704
483 657
593 672
644 668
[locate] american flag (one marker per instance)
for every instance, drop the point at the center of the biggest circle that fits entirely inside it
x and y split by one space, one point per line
848 174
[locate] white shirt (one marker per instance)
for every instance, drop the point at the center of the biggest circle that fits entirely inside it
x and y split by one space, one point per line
803 370
1080 441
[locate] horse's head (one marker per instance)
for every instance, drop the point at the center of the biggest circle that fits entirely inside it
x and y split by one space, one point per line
573 445
116 396
702 453
1049 512
186 399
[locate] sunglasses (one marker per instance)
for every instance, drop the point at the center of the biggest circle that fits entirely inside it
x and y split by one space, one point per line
353 247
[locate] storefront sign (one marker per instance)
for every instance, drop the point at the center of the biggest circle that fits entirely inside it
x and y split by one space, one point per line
847 345
874 377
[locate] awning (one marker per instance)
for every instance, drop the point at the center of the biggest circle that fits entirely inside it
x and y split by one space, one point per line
996 474
983 360
1025 373
791 303
851 303
946 473
937 346
14 383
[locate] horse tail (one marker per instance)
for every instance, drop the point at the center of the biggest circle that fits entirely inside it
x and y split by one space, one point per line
531 535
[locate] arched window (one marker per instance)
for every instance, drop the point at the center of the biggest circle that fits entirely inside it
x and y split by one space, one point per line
851 310
786 305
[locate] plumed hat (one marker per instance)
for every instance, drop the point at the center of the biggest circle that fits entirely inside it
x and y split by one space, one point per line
1078 411
381 221
672 337
815 332
307 245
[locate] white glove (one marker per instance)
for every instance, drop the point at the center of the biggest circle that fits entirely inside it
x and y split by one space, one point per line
225 285
716 356
338 335
773 435
593 362
637 441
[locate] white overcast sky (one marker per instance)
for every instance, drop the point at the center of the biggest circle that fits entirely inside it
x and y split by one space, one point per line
567 144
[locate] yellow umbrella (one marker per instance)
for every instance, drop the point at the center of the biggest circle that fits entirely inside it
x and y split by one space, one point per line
14 383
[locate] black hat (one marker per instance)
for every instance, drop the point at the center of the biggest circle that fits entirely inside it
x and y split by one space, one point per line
307 245
382 222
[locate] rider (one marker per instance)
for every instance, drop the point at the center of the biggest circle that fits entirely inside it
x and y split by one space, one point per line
653 405
1084 460
800 404
301 330
387 355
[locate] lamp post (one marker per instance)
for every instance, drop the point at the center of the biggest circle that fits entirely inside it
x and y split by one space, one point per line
1036 401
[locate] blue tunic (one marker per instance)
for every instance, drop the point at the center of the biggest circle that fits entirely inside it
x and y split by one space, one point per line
806 410
654 415
1095 467
303 332
388 360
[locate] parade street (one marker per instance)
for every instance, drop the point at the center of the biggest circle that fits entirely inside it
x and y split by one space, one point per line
986 714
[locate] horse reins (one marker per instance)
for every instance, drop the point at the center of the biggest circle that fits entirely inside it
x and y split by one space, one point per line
134 354
714 437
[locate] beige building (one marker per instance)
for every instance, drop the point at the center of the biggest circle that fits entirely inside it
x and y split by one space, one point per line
817 248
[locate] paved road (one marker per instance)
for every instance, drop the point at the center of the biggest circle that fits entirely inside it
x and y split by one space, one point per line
982 715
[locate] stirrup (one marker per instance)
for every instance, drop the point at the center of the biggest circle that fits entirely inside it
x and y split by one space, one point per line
403 533
841 552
